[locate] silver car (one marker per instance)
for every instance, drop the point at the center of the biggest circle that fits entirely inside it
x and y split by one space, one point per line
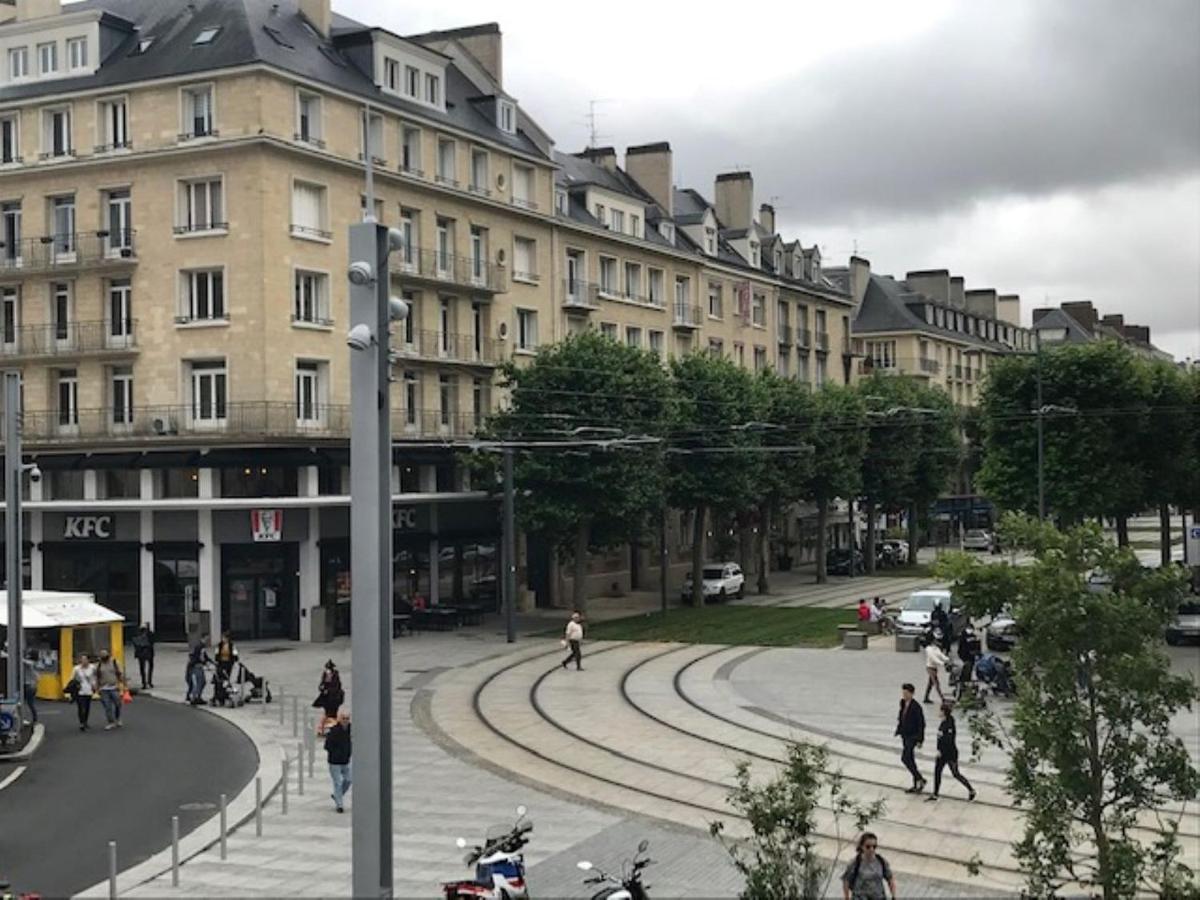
1186 626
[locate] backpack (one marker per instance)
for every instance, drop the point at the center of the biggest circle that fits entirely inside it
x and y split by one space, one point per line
853 879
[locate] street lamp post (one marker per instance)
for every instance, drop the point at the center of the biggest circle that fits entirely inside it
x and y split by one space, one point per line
12 533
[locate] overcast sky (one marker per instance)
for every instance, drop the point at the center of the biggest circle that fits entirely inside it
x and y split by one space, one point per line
1049 148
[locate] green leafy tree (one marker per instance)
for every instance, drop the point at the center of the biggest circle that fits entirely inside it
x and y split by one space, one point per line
1093 758
890 459
1168 446
710 466
780 861
938 449
584 395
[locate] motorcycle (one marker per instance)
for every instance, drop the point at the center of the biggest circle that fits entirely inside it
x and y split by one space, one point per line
629 886
499 865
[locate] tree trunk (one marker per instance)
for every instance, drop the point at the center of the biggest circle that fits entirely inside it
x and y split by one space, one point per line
1164 532
764 547
913 534
869 552
697 596
745 541
1122 530
822 538
1096 784
582 534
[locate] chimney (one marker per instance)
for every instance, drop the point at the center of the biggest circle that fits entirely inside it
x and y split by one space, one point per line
735 199
651 166
1138 333
1041 312
485 43
319 14
766 217
958 291
933 283
601 156
982 302
1115 321
37 9
1082 312
1008 308
860 277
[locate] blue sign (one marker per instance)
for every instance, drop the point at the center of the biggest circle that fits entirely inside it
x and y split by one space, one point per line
8 722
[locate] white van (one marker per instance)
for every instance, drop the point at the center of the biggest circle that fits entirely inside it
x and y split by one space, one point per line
917 610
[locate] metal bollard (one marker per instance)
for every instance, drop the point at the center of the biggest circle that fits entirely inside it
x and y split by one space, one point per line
312 751
224 829
295 717
283 800
174 851
300 769
112 870
258 806
282 707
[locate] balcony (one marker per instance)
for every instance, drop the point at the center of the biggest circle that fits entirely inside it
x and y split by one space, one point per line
580 296
70 252
929 366
309 139
469 349
785 334
803 338
251 421
823 341
476 276
308 232
685 316
68 339
913 367
524 202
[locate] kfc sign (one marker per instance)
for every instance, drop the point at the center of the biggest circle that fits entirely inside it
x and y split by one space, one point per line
404 518
88 528
266 525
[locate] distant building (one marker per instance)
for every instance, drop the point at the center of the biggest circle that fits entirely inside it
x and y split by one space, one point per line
1079 322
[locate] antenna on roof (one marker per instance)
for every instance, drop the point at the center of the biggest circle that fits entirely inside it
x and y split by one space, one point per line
594 135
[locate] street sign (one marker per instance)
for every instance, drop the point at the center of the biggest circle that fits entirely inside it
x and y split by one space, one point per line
1193 545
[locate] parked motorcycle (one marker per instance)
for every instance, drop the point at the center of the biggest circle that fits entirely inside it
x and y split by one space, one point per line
499 864
629 886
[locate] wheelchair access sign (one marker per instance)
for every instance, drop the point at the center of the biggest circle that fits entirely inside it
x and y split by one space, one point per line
10 717
1193 544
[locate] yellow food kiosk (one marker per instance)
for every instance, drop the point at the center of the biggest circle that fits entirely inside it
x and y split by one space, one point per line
60 625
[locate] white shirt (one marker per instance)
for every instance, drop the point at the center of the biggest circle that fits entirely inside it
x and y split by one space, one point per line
876 612
86 675
934 657
574 631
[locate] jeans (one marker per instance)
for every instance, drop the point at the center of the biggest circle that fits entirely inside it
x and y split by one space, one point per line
83 705
110 699
195 679
576 654
909 758
31 701
146 669
340 774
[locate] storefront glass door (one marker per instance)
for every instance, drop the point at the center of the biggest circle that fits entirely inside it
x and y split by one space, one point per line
260 591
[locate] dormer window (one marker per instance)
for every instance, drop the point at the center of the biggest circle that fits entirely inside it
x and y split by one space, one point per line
778 260
710 241
506 115
667 230
560 202
18 63
206 36
433 89
391 74
47 58
77 55
142 46
412 82
755 256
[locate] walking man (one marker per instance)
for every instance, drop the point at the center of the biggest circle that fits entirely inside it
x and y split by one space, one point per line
111 680
337 753
29 678
197 659
143 651
82 687
935 661
947 747
574 639
910 728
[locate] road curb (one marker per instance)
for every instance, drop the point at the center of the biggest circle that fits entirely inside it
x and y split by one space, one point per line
30 748
239 811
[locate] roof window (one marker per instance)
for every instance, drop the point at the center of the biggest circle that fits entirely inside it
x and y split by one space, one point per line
277 36
206 36
142 46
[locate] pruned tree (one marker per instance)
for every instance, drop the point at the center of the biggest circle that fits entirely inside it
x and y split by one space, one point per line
938 451
890 460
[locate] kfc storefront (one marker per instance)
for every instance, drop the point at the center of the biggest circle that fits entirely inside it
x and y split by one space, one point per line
99 553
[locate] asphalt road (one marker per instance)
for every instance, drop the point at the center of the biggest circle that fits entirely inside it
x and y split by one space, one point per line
82 790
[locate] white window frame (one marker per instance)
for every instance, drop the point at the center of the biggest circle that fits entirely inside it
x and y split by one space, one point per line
13 120
479 254
47 52
633 286
186 197
118 209
616 220
526 331
118 312
64 241
216 372
18 63
62 314
120 385
10 317
433 89
610 276
187 111
412 82
308 230
525 270
62 131
410 150
506 117
216 306
310 393
656 286
758 309
112 130
410 227
66 416
373 126
443 176
719 297
443 249
656 341
391 74
310 298
480 182
576 274
412 400
314 120
633 336
77 54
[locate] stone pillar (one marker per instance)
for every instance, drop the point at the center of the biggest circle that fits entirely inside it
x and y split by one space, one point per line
210 556
310 554
35 535
146 555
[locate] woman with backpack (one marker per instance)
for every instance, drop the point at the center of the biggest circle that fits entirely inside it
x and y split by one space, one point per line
868 872
330 694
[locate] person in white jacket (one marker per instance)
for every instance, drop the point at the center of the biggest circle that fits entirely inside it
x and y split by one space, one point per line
935 661
573 638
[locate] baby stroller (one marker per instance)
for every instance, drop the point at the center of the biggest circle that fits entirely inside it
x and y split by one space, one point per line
251 687
995 675
226 690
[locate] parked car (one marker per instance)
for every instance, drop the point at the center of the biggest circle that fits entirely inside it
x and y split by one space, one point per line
917 611
837 562
719 582
899 551
977 539
1186 625
1002 632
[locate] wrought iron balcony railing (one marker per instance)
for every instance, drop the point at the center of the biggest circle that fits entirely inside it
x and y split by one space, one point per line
446 347
69 339
70 251
474 274
685 315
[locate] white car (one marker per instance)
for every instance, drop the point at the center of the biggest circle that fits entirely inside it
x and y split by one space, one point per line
719 582
1186 625
977 539
899 550
917 610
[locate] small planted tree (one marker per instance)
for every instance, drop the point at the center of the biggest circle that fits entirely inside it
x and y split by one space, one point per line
1094 762
780 860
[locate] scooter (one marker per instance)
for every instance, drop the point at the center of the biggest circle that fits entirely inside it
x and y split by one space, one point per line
629 886
499 865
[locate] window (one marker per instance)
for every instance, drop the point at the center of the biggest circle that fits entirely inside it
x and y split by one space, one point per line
310 302
308 211
62 216
561 202
142 46
633 281
119 241
77 53
822 332
739 353
522 189
372 136
760 359
755 255
716 300
447 394
656 343
197 112
206 36
527 337
412 398
507 117
479 401
412 81
716 347
18 63
683 297
667 230
201 206
576 266
408 228
209 386
47 58
204 296
608 276
600 214
56 133
822 367
617 221
60 312
308 393
120 313
433 89
783 364
710 241
391 74
114 124
10 233
445 246
121 395
479 254
635 226
633 336
308 118
609 330
525 259
68 398
445 167
655 286
758 310
410 149
479 172
10 139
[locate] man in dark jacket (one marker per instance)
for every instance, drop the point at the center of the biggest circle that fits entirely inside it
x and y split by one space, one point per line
337 752
910 728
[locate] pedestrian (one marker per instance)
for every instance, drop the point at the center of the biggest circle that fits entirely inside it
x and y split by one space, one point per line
879 614
864 610
143 652
82 687
942 631
29 678
197 660
910 728
330 694
226 656
947 747
868 872
969 648
337 754
935 661
573 638
111 681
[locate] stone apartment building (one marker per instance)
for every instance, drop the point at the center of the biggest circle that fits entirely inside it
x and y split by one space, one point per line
176 181
1079 322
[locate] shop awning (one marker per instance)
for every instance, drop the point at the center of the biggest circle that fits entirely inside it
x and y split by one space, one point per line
58 609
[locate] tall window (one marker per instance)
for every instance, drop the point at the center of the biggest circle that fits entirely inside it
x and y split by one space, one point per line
633 281
10 233
522 189
408 228
758 310
479 172
201 205
391 74
445 326
479 404
56 133
68 398
120 224
433 89
410 149
310 303
633 336
507 119
10 315
683 297
445 243
412 399
575 270
527 336
655 287
710 241
204 295
197 112
121 395
209 386
822 332
308 393
656 343
18 63
372 133
47 58
760 359
60 311
308 118
479 254
77 53
716 300
822 369
608 275
617 221
10 139
114 124
525 259
408 325
445 167
308 211
412 81
62 212
120 312
447 395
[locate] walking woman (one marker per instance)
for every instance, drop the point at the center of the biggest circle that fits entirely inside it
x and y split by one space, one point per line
868 873
83 677
330 694
947 747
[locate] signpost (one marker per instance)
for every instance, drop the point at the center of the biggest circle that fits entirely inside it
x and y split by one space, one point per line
13 546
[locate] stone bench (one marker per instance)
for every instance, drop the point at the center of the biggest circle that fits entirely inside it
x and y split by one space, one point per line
870 628
854 640
908 643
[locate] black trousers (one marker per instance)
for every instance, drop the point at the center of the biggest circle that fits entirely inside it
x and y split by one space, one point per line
952 762
909 757
83 705
146 669
576 654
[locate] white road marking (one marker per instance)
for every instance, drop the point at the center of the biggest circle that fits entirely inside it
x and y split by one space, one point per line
13 776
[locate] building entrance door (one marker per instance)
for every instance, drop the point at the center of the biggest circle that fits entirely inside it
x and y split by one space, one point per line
259 591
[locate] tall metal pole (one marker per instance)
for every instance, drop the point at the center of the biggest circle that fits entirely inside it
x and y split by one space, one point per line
663 558
510 550
371 567
1041 443
12 528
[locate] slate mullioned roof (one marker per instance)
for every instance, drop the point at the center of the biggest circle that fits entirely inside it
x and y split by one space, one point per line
885 309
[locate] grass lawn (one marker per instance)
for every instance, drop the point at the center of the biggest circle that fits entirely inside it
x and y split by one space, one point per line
758 626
